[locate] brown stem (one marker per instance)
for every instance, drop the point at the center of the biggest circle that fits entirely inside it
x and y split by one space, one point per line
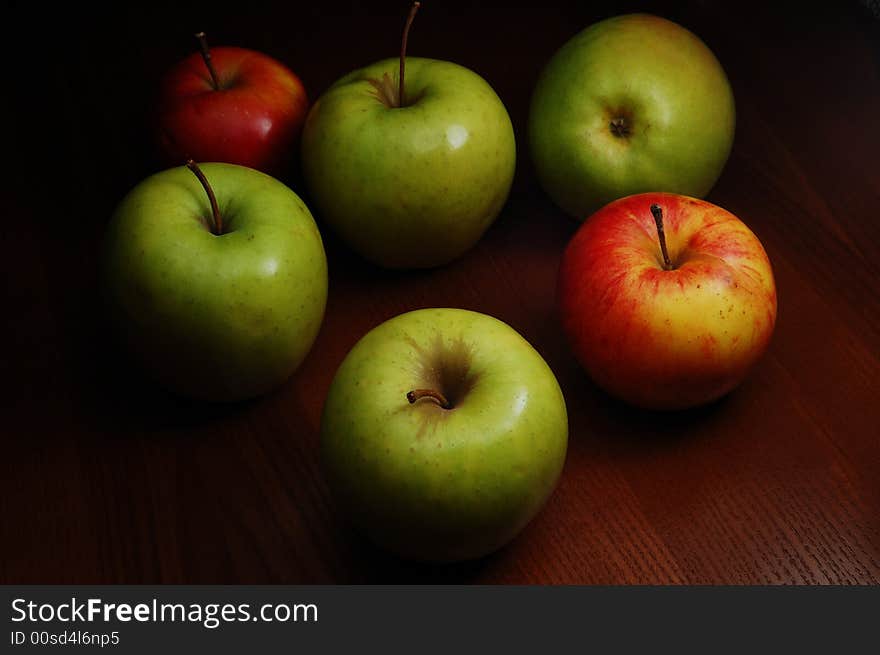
415 394
206 55
412 14
217 223
658 221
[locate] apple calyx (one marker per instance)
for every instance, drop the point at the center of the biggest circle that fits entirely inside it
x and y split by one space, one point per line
657 212
206 56
216 223
390 95
439 398
619 127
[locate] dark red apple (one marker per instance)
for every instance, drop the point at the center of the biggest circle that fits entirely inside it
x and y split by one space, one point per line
230 105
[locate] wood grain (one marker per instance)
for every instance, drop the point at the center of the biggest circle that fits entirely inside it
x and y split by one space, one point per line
106 479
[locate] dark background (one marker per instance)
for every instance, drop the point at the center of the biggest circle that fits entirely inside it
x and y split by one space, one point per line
106 479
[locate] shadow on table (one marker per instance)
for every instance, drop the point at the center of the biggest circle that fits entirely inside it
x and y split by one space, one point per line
611 424
124 400
371 565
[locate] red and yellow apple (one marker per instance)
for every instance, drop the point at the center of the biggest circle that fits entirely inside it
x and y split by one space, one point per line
230 105
666 327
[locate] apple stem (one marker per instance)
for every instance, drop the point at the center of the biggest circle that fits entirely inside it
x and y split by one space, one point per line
412 14
658 221
217 223
206 55
416 394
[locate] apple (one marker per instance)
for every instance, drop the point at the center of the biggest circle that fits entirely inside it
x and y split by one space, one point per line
216 280
230 105
666 300
443 434
409 160
631 104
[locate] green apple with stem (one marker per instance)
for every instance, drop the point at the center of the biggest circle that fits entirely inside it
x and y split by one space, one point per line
215 278
631 104
409 160
443 434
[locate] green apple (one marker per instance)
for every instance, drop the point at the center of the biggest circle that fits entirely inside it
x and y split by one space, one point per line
631 104
443 434
410 184
216 281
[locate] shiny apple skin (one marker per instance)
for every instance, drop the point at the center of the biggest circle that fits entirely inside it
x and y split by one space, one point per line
657 76
435 484
253 120
666 339
414 186
218 318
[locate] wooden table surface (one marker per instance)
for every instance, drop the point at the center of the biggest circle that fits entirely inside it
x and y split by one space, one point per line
107 479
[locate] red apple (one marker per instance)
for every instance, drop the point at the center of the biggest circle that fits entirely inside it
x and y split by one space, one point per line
230 105
666 300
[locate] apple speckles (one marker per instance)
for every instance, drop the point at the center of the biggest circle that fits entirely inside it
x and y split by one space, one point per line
706 294
427 485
